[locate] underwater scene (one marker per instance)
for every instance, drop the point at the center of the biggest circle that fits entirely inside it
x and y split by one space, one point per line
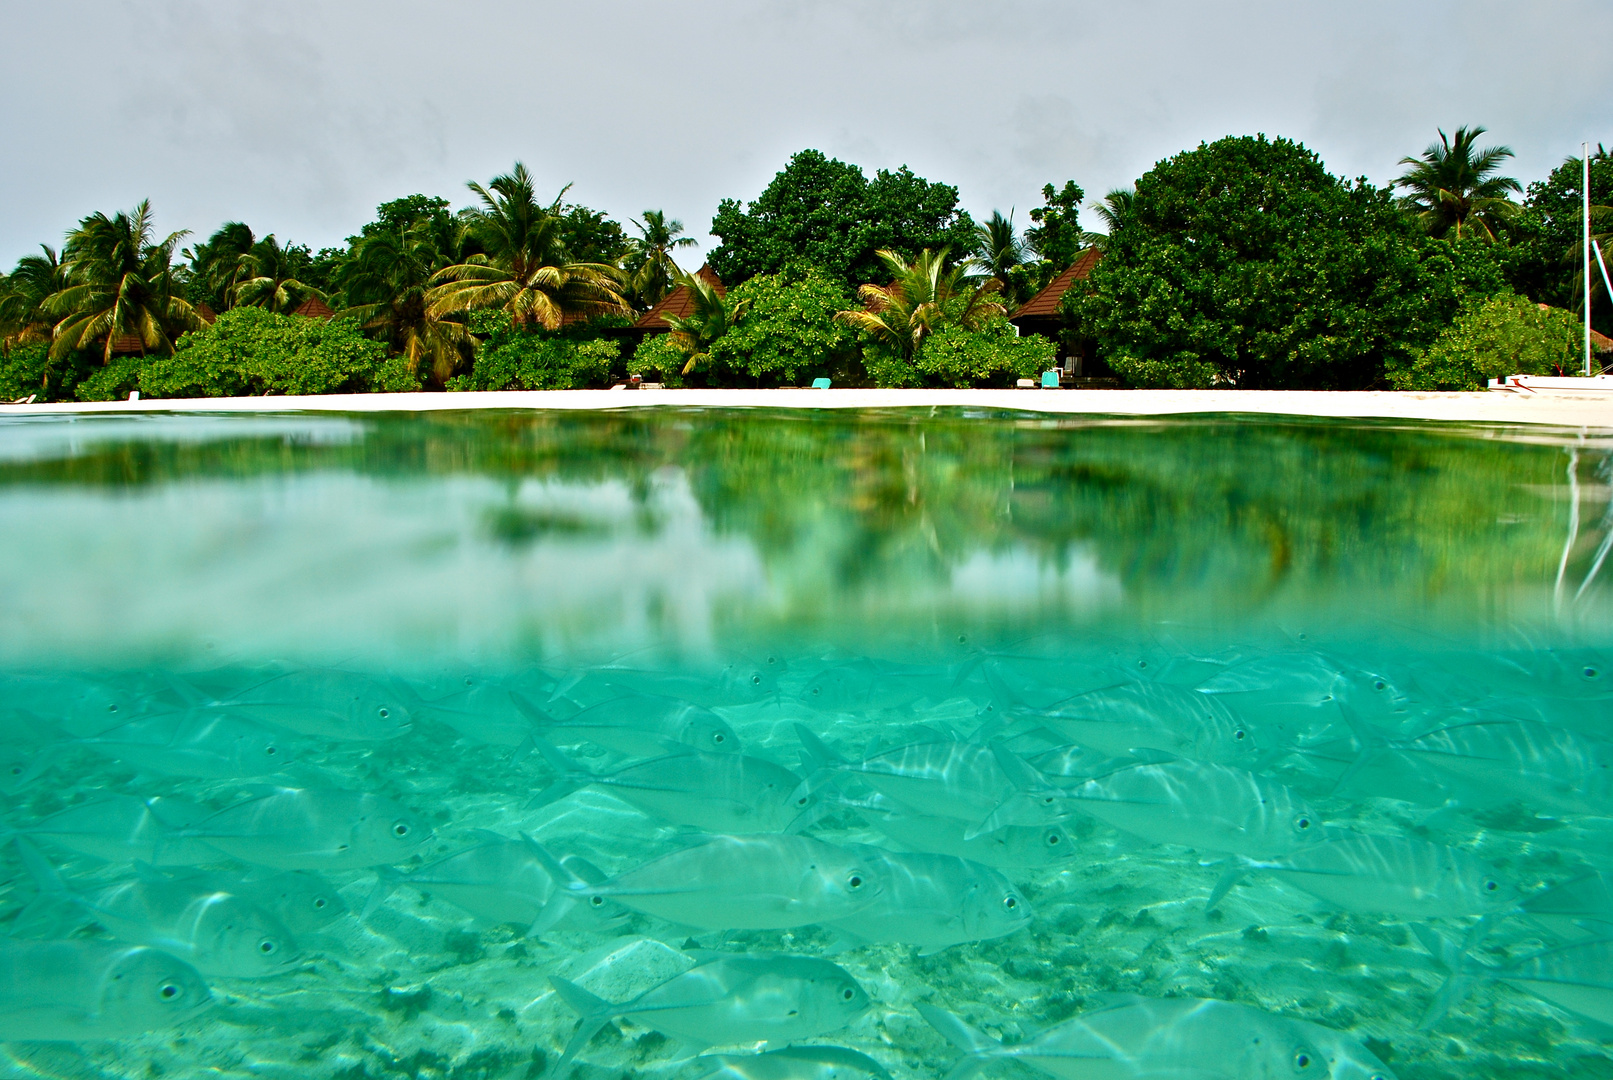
685 743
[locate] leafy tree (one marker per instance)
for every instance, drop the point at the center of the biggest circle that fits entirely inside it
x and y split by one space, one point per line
23 318
924 297
1549 267
590 236
711 315
658 353
1243 263
386 285
25 370
825 213
509 357
987 354
787 330
120 285
216 265
1056 235
1454 189
651 270
1504 335
253 351
523 267
1113 210
999 251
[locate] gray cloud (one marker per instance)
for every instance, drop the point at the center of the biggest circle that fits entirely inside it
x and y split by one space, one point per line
299 117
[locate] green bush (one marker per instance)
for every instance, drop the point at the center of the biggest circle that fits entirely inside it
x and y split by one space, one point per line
252 352
788 332
1505 335
23 371
659 354
957 356
510 358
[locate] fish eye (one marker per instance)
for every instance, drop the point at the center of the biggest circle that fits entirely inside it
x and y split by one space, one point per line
319 903
963 639
816 691
718 737
756 680
1010 902
385 713
1591 673
772 659
112 708
1142 663
597 901
1240 734
803 800
469 681
400 828
855 881
169 991
1052 839
848 993
271 751
1302 1060
1302 823
266 947
1491 886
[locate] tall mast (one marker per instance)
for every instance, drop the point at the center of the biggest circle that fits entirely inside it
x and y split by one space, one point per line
1585 191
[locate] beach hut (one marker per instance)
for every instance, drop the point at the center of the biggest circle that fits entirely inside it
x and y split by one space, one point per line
677 303
1040 314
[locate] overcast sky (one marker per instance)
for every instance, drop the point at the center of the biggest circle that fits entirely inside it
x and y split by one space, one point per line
300 117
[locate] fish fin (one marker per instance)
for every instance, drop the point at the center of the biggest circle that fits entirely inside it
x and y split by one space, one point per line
809 817
975 1044
386 879
554 793
1016 809
931 950
595 1013
1020 772
529 710
185 692
41 763
685 1049
556 909
1371 742
1230 876
1453 959
563 877
815 753
45 876
522 750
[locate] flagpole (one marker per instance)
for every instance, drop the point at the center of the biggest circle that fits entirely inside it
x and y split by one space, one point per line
1585 190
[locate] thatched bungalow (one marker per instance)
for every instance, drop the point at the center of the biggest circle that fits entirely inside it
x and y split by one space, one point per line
1040 314
677 303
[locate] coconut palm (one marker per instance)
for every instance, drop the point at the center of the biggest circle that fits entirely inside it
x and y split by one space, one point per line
923 297
711 315
1454 190
387 282
651 270
23 319
217 264
998 249
523 267
1115 209
265 278
121 288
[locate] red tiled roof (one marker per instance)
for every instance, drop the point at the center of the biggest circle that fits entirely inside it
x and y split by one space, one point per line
314 308
127 345
1046 302
678 303
205 312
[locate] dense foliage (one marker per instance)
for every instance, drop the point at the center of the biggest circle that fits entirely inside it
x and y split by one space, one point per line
1504 335
1244 263
1240 263
825 213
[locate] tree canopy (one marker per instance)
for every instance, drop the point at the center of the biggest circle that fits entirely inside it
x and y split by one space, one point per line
823 212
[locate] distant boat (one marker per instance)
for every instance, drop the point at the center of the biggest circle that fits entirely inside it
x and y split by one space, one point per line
1573 384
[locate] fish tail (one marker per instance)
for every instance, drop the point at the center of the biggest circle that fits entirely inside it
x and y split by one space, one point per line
977 1046
594 1013
1229 877
572 775
42 761
386 879
45 876
1371 742
1454 959
569 887
816 754
529 710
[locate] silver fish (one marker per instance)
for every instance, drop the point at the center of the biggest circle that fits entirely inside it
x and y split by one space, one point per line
1010 847
84 990
197 743
642 725
1393 875
218 933
123 828
728 999
766 882
1577 977
323 703
1586 903
1155 716
497 881
313 829
794 1063
934 902
725 793
302 900
481 710
1190 1038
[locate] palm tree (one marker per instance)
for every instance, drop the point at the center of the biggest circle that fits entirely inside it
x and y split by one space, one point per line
524 267
1454 188
651 270
998 249
23 319
710 317
1115 209
216 266
121 287
923 298
265 278
387 283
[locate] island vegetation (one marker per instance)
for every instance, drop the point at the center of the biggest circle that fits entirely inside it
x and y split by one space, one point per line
1239 263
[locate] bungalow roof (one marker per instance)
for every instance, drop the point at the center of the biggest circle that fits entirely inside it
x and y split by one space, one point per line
1046 302
678 303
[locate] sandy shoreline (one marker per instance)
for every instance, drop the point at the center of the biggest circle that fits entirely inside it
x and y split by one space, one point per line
1557 409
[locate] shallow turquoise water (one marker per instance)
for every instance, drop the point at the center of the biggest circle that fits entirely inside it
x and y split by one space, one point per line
1348 681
